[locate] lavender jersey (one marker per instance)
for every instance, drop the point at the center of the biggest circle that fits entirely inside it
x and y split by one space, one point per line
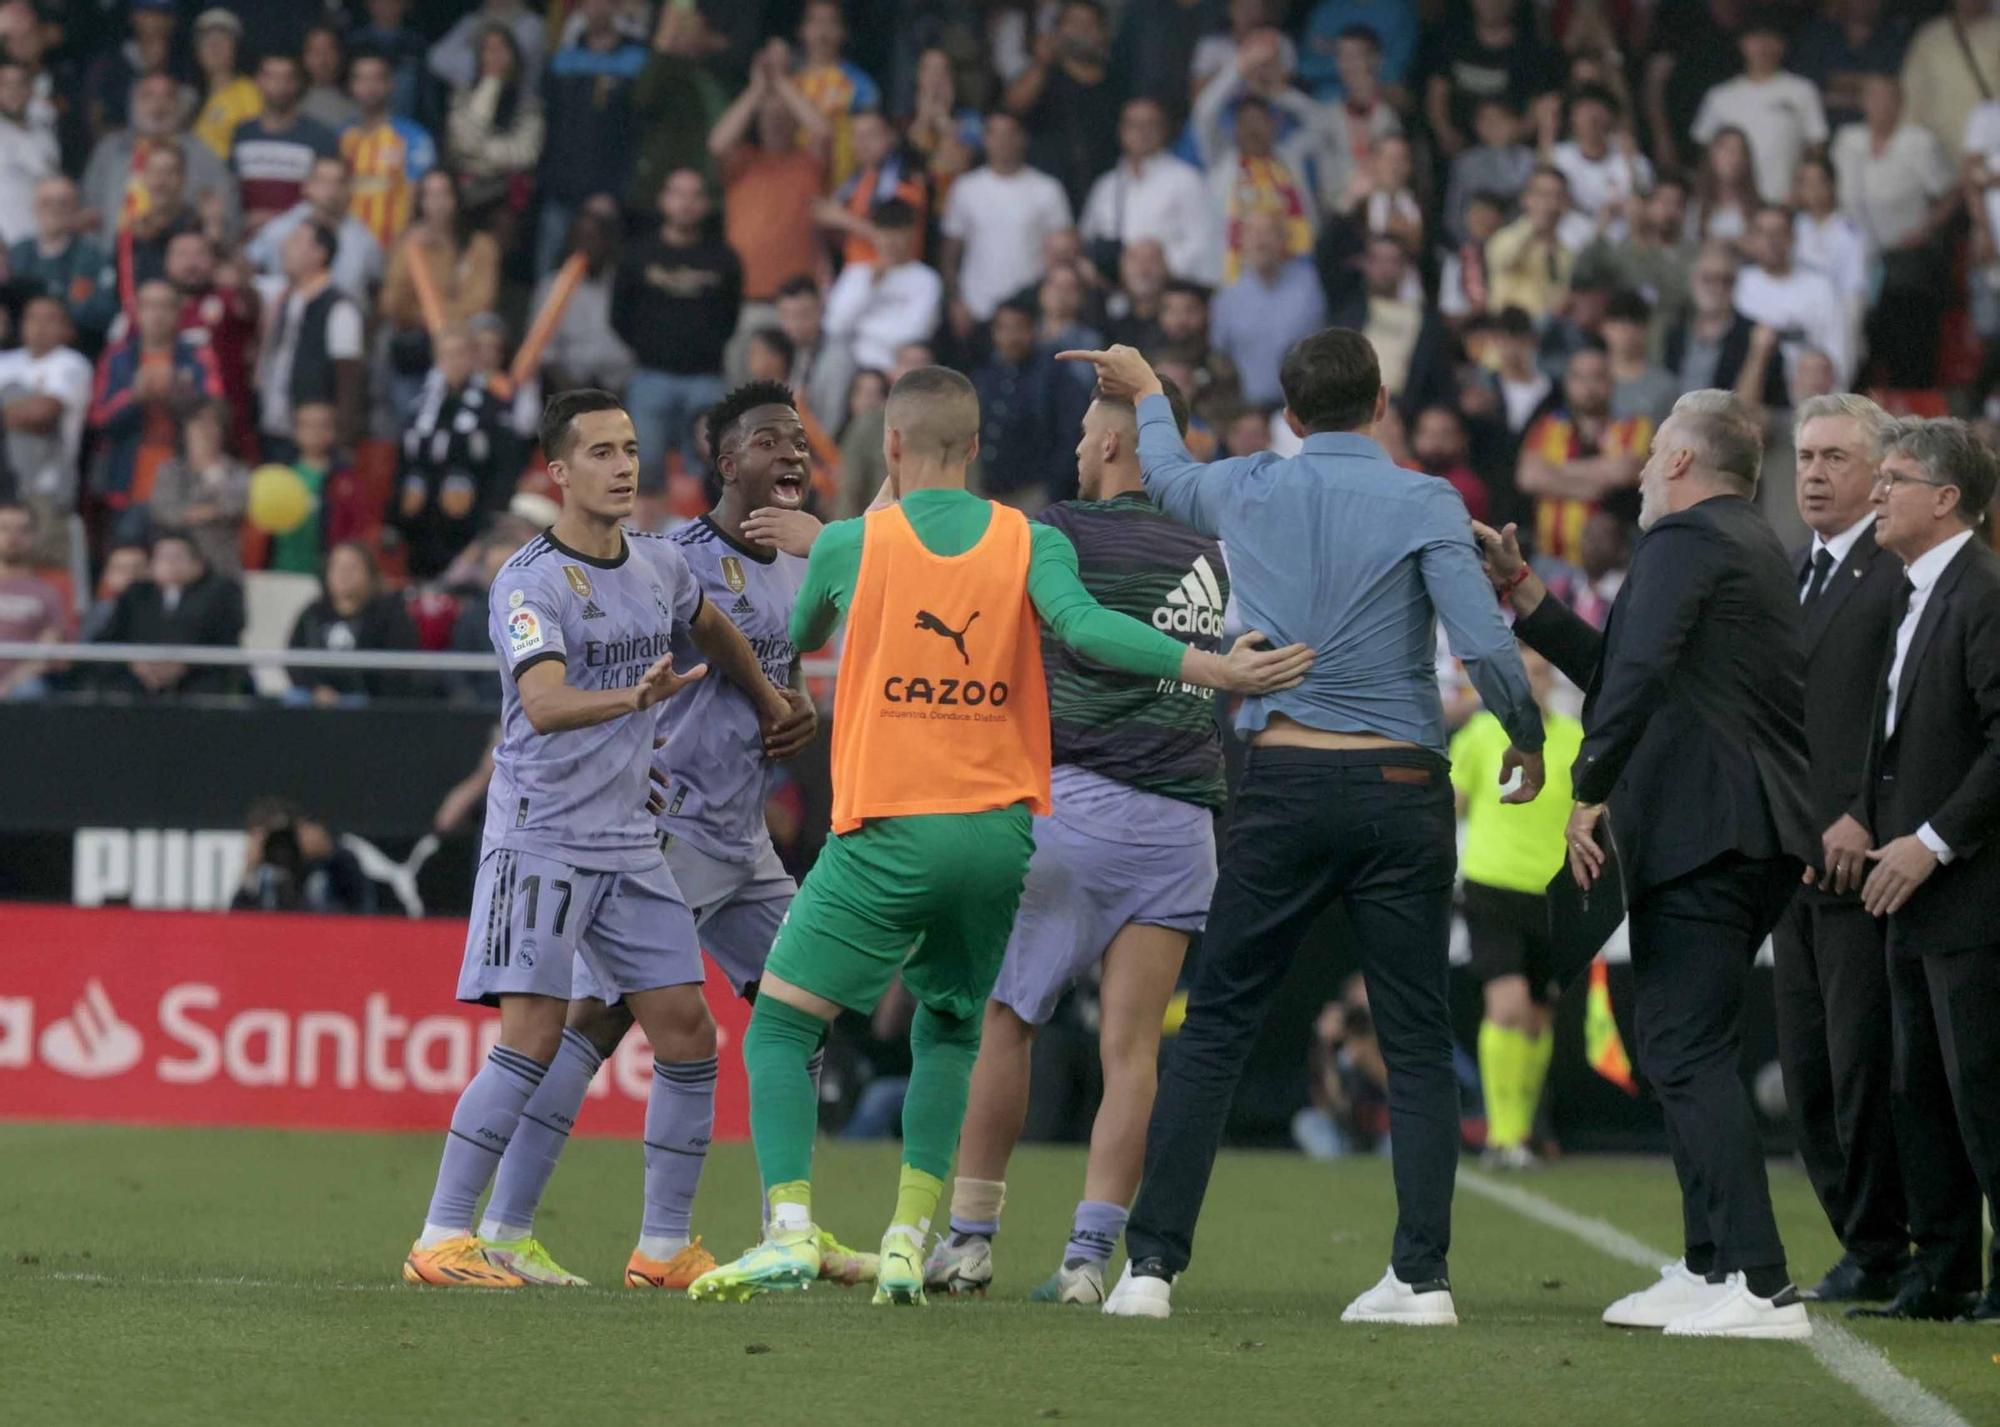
579 797
718 777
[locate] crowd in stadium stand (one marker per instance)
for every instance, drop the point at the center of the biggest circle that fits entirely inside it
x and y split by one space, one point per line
362 241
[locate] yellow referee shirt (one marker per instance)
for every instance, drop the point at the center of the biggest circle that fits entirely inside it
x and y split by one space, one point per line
1516 847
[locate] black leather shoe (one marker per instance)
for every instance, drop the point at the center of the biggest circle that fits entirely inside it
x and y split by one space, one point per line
1850 1281
1986 1310
1919 1300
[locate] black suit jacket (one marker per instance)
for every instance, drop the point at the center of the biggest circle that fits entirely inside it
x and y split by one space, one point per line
1729 361
210 611
1844 636
1694 708
1942 764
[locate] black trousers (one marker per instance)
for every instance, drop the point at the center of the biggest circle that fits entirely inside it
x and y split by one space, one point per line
1693 941
1374 831
1947 1085
1834 1046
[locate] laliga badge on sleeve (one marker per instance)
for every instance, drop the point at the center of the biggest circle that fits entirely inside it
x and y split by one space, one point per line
524 632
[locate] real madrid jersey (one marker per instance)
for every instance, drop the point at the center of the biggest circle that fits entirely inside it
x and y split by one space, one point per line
718 776
579 796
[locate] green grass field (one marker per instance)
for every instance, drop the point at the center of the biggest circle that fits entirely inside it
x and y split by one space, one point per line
235 1276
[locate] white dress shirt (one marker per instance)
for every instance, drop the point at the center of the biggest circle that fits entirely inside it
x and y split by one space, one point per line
1890 194
1163 198
1805 311
1923 574
876 316
1839 547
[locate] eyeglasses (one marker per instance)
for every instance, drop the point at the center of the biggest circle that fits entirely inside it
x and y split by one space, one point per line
1889 480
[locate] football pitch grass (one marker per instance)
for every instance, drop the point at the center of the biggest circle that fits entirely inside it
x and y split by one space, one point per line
222 1276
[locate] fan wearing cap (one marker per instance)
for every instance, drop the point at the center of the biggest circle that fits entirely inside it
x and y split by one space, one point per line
229 96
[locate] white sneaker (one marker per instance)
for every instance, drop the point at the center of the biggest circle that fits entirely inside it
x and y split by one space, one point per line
1742 1314
1140 1297
960 1264
1426 1305
1678 1293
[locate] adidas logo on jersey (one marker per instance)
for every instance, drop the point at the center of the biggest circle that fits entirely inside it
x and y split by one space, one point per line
591 611
1195 605
743 606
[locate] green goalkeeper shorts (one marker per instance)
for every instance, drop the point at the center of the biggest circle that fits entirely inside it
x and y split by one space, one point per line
932 896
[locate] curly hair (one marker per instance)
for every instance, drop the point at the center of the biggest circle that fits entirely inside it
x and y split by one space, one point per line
725 414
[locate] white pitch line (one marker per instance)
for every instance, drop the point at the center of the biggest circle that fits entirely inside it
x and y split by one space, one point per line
1859 1364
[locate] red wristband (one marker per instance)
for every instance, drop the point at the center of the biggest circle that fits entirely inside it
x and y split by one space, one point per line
1514 583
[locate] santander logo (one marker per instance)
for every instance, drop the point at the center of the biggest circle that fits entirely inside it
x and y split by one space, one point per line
91 1042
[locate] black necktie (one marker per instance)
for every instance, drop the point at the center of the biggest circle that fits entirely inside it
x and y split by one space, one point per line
1822 568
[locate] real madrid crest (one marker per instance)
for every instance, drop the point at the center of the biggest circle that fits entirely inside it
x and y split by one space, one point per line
732 574
578 581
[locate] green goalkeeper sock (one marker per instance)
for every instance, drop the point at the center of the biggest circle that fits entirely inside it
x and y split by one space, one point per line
942 1050
784 1110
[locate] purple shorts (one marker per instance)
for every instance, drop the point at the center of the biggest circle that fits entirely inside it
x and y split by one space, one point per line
737 907
535 919
1084 886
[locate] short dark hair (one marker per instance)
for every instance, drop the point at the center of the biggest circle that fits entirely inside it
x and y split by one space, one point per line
375 54
1512 321
724 416
558 430
1489 198
9 503
893 213
284 57
182 537
777 341
1628 306
324 238
1331 379
1363 33
1020 306
1595 94
799 286
1176 402
1185 288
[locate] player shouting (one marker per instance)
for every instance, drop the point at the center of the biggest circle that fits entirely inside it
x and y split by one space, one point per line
584 620
1122 870
941 751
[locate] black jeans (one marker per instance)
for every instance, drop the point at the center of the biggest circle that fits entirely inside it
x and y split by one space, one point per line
1373 830
1693 941
1947 1079
1834 1041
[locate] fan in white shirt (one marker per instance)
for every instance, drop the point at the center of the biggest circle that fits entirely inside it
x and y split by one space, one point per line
1825 239
27 156
997 219
1800 306
1780 111
45 396
1604 168
875 308
1895 180
1152 194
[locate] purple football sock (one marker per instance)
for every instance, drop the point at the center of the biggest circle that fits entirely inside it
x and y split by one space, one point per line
481 1126
1095 1231
544 1129
680 1121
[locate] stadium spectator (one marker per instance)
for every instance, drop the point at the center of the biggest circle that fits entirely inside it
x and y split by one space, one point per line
464 268
179 602
291 863
1653 259
1800 306
1489 53
314 460
1529 262
218 310
45 389
273 152
1153 51
1391 24
204 490
496 133
387 154
31 609
1381 199
1059 301
57 261
1715 345
1152 194
1499 163
140 251
312 344
1982 194
1639 386
145 384
454 59
996 220
1767 100
1367 111
1604 555
1600 159
585 350
884 168
1069 101
385 32
1409 335
1441 448
1265 144
1215 54
1029 413
1897 183
1462 280
113 79
1825 238
326 200
451 474
862 467
821 370
27 156
1213 385
1132 311
229 95
676 101
771 187
1953 64
590 142
1275 302
323 58
877 307
946 135
838 88
1725 189
1579 458
1837 50
353 613
1522 385
125 564
674 303
1246 432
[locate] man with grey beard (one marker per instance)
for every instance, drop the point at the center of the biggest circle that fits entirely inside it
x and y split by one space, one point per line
1694 737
